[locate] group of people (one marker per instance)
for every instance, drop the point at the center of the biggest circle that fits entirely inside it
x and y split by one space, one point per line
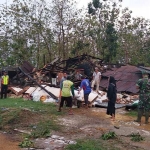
66 86
67 92
143 84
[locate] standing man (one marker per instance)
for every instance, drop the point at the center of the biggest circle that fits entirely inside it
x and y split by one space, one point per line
85 85
96 79
144 97
4 84
63 78
66 88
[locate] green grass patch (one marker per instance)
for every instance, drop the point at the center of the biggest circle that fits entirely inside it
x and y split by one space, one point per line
26 143
28 104
43 129
89 144
19 113
109 135
132 113
136 137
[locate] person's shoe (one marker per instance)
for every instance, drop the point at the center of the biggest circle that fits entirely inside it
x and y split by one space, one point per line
137 121
146 122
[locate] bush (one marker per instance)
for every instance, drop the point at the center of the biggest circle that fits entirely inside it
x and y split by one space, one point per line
109 135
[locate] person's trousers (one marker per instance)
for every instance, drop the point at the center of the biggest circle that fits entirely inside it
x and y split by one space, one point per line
4 90
140 114
86 98
94 82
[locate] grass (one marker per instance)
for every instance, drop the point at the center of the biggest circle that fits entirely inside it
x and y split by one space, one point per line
19 113
31 105
136 137
132 113
90 144
109 135
42 129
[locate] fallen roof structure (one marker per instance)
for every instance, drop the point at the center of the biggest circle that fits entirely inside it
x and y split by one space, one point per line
126 77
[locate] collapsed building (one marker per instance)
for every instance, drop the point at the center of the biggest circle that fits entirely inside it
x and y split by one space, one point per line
26 79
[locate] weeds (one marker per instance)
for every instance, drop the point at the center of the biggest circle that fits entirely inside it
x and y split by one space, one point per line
42 129
136 137
85 145
132 113
109 135
91 144
26 143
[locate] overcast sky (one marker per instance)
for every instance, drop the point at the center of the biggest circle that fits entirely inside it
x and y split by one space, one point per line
140 8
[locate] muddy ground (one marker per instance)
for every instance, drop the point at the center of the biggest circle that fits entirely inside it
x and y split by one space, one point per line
92 123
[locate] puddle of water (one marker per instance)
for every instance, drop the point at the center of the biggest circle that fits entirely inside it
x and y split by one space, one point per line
7 144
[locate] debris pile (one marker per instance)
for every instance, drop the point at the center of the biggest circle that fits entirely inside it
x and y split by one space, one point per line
43 84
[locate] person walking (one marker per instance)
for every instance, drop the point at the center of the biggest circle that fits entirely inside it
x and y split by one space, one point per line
112 96
67 87
4 84
85 85
144 97
96 79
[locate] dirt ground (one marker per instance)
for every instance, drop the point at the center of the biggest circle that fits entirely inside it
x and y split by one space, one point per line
92 123
8 143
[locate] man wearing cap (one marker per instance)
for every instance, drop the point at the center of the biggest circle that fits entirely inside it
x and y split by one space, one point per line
144 97
4 84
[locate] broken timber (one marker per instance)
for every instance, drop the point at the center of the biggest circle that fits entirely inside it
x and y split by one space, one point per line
52 95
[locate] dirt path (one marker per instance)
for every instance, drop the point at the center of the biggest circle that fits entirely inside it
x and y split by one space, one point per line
7 143
94 122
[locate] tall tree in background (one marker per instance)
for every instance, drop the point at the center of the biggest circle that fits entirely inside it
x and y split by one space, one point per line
36 29
105 13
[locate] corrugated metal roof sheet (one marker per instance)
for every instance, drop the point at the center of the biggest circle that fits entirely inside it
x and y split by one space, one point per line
126 77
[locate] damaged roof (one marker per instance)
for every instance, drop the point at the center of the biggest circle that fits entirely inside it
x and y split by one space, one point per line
126 77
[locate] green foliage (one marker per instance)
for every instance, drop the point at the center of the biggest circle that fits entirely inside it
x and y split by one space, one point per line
9 117
42 129
96 4
136 137
26 143
90 144
12 113
109 135
57 31
132 113
19 103
86 145
111 41
79 46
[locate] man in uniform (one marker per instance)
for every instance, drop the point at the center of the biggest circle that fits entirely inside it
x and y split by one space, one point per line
4 84
144 97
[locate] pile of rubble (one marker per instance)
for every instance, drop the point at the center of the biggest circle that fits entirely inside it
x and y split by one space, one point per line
42 84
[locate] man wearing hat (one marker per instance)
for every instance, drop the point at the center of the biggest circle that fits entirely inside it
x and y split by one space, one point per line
4 84
144 97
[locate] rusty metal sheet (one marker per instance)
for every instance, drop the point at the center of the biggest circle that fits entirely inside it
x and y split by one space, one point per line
104 83
126 77
27 67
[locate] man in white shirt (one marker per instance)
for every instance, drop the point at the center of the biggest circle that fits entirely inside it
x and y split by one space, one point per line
96 79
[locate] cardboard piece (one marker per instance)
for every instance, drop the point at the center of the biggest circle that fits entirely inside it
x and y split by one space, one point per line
16 91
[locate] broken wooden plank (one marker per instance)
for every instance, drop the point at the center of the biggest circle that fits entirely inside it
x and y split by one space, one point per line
52 95
16 91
